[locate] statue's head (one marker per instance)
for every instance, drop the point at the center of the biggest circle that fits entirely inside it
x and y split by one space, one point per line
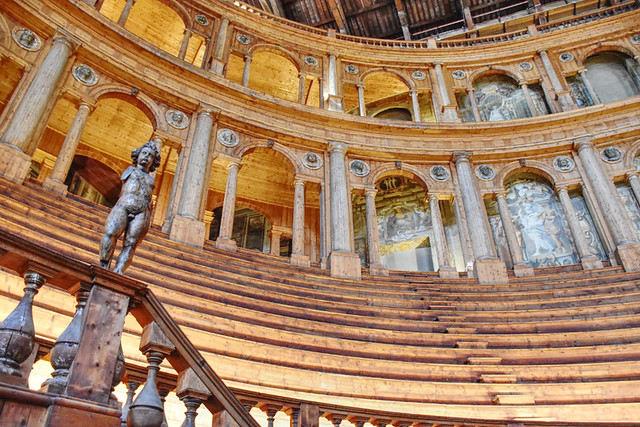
151 146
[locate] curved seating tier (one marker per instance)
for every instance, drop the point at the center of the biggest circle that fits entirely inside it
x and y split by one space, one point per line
566 339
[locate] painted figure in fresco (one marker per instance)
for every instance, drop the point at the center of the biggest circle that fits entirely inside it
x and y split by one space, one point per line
131 214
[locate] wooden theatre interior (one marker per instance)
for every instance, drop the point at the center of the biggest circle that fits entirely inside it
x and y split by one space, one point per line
375 213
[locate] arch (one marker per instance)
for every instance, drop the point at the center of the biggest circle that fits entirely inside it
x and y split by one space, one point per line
604 47
406 170
181 11
490 71
407 81
632 153
534 167
145 103
400 110
102 158
244 149
249 204
285 53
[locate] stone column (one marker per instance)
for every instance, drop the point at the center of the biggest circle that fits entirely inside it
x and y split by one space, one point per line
592 93
186 227
55 182
589 261
18 143
342 262
527 97
564 97
247 69
301 87
488 267
417 114
217 64
297 242
615 215
335 102
439 243
125 12
373 238
362 106
185 43
449 111
634 182
275 234
224 240
324 245
474 104
520 268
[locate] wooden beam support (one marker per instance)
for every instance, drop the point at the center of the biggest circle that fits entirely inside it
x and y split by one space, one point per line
404 22
338 14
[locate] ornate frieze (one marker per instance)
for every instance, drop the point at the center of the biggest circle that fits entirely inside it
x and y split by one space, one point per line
228 138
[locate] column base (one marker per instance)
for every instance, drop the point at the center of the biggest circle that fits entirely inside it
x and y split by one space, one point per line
335 103
491 271
14 164
217 67
629 256
450 113
566 101
186 230
378 270
55 186
448 272
591 262
324 263
345 265
226 244
522 270
300 260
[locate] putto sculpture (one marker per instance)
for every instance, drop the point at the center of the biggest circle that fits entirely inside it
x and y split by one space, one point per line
131 214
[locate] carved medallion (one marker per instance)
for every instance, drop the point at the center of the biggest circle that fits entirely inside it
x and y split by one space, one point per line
312 161
26 38
439 173
176 119
566 57
458 74
202 20
359 168
310 60
243 38
85 75
228 138
563 163
352 69
611 155
418 75
635 39
525 66
485 172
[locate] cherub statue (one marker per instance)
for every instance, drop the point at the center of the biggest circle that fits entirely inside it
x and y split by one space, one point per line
131 214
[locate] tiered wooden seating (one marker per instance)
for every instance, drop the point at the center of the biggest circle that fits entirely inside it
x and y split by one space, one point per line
566 339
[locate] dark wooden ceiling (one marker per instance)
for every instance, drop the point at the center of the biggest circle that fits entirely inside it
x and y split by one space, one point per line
386 18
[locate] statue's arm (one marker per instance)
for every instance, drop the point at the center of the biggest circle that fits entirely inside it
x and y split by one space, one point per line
127 172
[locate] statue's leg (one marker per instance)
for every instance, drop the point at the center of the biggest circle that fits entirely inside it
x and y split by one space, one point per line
135 232
113 228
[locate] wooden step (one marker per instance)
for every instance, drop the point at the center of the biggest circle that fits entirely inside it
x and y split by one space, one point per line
472 344
483 360
513 399
497 379
460 330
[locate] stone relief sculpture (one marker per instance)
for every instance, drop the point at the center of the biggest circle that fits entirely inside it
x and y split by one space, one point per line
131 214
501 98
588 228
630 204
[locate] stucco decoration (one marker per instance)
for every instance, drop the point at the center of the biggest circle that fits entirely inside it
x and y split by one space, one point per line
485 172
177 119
611 155
418 75
458 74
439 173
85 75
525 66
352 69
202 20
26 39
311 61
243 38
635 39
359 168
563 164
312 161
228 138
566 57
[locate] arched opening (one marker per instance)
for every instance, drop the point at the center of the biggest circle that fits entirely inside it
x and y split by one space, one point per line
250 229
274 74
385 91
395 114
11 73
613 75
93 181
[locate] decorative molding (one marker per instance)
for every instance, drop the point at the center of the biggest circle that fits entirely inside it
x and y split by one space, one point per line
458 74
611 155
312 161
439 173
85 75
635 39
485 172
311 61
26 39
563 164
243 38
359 168
418 75
525 66
202 20
566 57
176 119
352 69
228 138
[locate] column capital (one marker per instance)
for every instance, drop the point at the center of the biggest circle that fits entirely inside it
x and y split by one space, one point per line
234 164
370 191
248 57
332 55
299 181
462 156
524 85
87 105
632 175
62 36
583 142
360 85
562 188
207 110
337 146
501 194
437 64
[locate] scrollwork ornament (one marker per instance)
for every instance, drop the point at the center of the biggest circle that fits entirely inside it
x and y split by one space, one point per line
635 39
177 119
311 61
485 172
439 173
359 168
243 38
352 69
418 75
611 155
458 74
202 20
563 163
26 39
228 138
85 75
525 66
312 161
566 57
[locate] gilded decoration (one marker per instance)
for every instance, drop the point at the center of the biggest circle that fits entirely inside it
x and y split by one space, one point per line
312 161
228 138
611 155
26 39
177 119
85 75
359 168
540 224
563 164
439 173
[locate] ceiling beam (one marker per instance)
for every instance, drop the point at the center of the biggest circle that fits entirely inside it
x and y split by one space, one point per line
338 14
404 22
276 7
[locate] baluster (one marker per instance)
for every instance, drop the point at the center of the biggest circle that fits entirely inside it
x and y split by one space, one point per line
17 332
271 411
66 347
335 418
192 392
132 386
147 410
294 414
